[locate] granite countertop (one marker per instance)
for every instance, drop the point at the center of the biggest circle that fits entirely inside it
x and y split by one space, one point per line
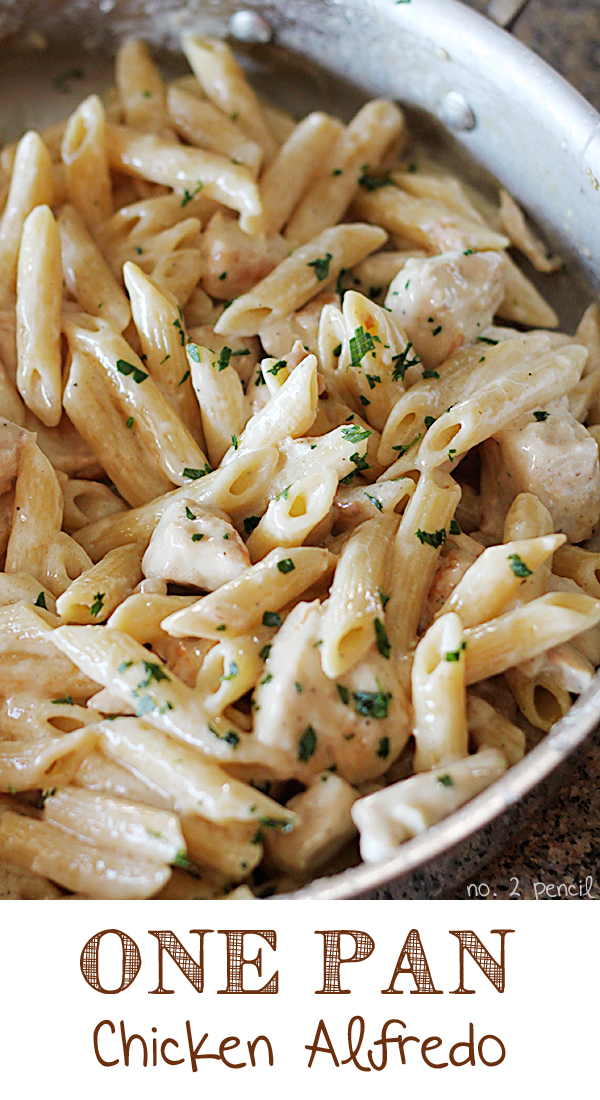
561 848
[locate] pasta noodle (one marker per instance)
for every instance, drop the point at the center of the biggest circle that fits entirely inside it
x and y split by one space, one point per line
297 538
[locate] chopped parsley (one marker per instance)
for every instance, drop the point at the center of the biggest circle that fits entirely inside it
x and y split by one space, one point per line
224 357
222 626
299 687
430 374
181 860
153 672
231 737
382 639
487 340
129 422
541 415
193 474
321 266
518 566
431 538
193 352
178 325
234 442
454 654
222 276
274 370
65 701
307 744
337 351
437 330
251 523
445 780
189 513
360 464
336 172
274 822
189 195
372 379
41 601
339 288
372 183
372 704
452 453
377 503
286 565
271 618
197 536
264 653
385 598
383 748
97 605
363 400
126 368
44 795
343 693
267 679
144 705
455 528
283 495
355 434
361 343
404 448
124 666
429 420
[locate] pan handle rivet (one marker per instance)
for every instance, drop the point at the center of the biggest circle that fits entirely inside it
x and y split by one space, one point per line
455 112
248 26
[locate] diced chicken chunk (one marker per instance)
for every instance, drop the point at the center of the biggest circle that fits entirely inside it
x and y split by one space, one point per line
234 261
451 568
556 459
325 826
358 727
446 301
194 545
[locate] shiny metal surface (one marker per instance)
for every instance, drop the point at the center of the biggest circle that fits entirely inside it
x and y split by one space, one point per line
531 130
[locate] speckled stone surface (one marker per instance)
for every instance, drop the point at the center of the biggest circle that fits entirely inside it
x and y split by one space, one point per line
561 851
566 33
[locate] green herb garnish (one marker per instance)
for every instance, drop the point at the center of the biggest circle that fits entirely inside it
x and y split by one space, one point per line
96 607
321 266
307 744
431 538
381 637
518 566
126 368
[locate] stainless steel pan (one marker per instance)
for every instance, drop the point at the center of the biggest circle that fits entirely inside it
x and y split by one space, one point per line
481 96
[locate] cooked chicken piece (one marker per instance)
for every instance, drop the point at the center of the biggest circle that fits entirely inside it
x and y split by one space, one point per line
555 458
451 568
358 727
194 545
234 261
446 301
325 826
